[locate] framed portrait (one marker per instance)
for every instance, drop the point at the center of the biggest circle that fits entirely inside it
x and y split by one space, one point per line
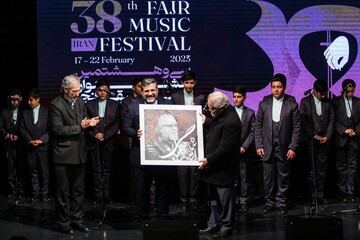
172 135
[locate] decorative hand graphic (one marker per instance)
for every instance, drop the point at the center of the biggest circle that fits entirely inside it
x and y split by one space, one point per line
337 54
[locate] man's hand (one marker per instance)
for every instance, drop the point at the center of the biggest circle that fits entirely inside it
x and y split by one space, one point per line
260 152
290 155
100 137
203 163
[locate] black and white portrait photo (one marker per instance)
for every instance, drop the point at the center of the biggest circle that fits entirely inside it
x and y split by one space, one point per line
172 135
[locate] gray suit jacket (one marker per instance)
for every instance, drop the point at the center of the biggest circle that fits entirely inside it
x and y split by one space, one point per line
31 132
178 98
110 126
247 131
310 124
66 135
289 126
342 121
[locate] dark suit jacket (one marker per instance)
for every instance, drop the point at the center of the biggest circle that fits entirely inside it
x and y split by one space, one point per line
178 98
222 148
30 132
289 126
131 125
310 120
110 126
247 130
341 120
7 126
67 138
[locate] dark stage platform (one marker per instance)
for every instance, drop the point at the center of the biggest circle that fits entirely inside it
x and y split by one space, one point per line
36 221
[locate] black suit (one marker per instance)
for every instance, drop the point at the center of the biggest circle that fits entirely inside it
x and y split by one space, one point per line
14 151
38 157
246 142
101 152
188 176
276 139
311 125
69 153
145 174
347 148
222 153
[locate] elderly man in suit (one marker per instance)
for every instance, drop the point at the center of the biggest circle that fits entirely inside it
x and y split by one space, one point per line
188 176
68 120
317 125
144 174
103 139
33 127
347 130
247 118
277 137
220 163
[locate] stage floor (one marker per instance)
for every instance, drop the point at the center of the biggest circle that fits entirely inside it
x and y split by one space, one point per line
36 221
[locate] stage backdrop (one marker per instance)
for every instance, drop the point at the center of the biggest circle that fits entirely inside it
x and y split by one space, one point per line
227 43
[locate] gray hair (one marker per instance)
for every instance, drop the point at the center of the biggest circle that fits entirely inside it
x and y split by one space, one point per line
69 81
219 98
148 81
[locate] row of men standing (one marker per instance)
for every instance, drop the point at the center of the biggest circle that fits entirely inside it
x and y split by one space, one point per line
277 112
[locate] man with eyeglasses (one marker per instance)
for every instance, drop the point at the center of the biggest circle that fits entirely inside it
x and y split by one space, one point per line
219 166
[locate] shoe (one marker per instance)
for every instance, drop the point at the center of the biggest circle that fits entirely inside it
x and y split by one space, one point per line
244 207
184 206
282 210
80 227
194 205
44 198
66 230
34 199
268 208
208 230
351 199
221 235
345 200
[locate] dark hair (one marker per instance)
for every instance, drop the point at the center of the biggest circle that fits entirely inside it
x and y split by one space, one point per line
102 82
279 77
320 86
348 83
136 80
34 93
241 90
15 91
188 75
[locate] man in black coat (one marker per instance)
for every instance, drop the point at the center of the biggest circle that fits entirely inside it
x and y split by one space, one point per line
220 163
144 174
317 125
347 140
68 120
33 127
13 144
247 118
277 137
103 139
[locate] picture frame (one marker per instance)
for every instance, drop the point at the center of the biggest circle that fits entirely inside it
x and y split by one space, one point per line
172 135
